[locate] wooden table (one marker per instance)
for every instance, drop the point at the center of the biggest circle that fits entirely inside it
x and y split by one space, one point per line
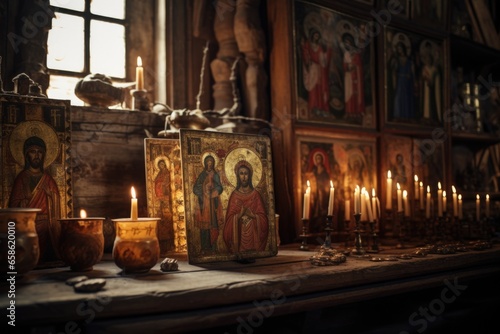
210 295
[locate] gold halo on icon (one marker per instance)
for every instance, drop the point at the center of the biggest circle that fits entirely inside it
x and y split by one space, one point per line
38 129
204 155
238 155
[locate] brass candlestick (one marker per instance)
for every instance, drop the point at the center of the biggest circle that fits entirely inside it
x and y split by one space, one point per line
304 235
374 246
328 230
401 225
140 99
358 243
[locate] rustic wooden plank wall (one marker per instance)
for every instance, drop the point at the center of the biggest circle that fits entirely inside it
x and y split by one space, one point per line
107 158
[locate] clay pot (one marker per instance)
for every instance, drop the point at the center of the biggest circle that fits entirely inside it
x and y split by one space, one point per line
19 251
81 243
136 248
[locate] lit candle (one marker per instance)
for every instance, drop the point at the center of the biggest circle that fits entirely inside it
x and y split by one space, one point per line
83 213
445 204
139 75
307 201
388 201
487 206
407 206
455 203
421 195
416 187
440 200
428 203
330 200
478 208
368 206
133 209
460 207
400 199
375 205
357 203
364 215
347 209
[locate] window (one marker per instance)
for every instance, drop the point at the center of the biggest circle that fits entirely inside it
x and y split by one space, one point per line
87 36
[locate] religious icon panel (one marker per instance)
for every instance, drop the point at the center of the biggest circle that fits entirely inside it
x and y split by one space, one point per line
228 196
35 169
333 66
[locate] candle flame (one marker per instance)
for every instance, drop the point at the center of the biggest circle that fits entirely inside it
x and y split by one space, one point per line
415 178
421 184
453 189
331 184
439 185
132 192
83 214
308 184
428 189
460 197
373 192
477 196
139 61
398 186
405 193
389 175
487 196
444 193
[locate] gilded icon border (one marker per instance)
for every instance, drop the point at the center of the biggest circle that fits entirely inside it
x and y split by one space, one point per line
40 122
228 196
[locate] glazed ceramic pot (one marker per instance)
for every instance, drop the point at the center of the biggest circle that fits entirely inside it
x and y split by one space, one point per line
81 244
20 251
136 248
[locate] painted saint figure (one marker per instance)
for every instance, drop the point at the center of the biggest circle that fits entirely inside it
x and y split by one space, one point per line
247 226
208 188
404 84
316 60
353 79
35 188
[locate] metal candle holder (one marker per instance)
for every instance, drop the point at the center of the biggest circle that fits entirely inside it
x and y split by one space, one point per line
304 235
374 247
358 243
401 235
328 230
140 99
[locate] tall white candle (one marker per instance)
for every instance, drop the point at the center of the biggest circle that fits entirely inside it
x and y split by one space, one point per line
406 203
331 199
134 212
375 205
487 206
422 199
455 201
364 214
388 201
440 200
417 193
139 75
369 210
445 203
307 201
428 203
478 208
460 207
400 199
357 202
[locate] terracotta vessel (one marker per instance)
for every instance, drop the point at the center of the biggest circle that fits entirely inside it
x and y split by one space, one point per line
19 251
136 248
81 243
